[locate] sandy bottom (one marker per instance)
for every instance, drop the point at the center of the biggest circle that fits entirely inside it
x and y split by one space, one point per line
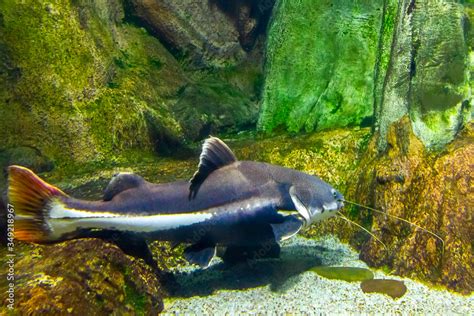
276 286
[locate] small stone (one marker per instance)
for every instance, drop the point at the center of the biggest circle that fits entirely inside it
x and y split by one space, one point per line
392 288
349 274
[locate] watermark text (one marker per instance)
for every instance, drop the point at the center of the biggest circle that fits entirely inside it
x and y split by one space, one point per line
10 263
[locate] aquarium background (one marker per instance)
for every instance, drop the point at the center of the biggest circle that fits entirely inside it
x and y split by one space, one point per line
375 97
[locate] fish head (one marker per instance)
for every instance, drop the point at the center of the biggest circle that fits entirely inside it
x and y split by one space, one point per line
316 201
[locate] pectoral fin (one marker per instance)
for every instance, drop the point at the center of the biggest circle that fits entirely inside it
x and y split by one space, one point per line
215 154
290 227
200 254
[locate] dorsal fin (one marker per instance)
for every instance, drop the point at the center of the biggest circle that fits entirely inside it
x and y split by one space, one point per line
214 155
121 182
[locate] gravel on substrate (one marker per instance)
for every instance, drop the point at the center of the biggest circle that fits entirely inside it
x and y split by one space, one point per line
285 286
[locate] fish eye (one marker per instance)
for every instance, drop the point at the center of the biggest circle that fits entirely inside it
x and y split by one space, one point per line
334 194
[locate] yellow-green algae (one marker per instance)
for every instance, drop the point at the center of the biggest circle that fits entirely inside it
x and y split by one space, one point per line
86 276
349 274
86 83
429 189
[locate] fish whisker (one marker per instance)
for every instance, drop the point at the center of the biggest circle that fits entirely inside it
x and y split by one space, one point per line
401 219
364 229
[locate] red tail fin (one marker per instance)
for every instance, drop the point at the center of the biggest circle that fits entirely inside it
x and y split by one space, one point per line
30 197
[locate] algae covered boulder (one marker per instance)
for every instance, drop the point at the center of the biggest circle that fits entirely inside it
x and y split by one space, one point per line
339 63
432 190
81 277
427 75
80 84
85 82
320 64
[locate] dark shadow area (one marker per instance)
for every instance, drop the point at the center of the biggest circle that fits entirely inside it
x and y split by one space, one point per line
250 18
281 274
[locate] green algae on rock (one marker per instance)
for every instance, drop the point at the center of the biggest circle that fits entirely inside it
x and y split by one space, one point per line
334 64
349 274
72 99
319 68
392 288
428 74
83 83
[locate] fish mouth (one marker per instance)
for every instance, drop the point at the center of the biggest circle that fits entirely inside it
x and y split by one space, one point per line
310 215
340 204
333 206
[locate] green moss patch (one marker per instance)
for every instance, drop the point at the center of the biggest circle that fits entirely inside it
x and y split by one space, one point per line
320 65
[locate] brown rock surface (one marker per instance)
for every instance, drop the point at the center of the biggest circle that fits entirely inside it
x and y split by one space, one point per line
432 190
213 33
82 277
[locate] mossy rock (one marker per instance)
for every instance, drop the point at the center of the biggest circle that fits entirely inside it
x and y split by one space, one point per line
319 67
429 74
85 276
82 85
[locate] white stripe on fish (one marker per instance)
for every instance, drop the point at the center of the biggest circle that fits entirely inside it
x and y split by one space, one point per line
63 220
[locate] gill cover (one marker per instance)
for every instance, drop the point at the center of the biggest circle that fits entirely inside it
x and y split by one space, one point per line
301 197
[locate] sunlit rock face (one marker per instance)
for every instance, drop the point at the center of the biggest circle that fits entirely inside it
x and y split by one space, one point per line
430 190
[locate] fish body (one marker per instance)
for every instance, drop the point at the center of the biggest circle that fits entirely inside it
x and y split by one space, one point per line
232 203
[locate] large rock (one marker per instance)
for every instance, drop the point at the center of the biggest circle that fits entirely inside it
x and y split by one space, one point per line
428 189
427 75
80 84
320 64
81 277
110 90
209 33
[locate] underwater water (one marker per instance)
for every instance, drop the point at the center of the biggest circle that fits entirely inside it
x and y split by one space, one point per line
337 180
